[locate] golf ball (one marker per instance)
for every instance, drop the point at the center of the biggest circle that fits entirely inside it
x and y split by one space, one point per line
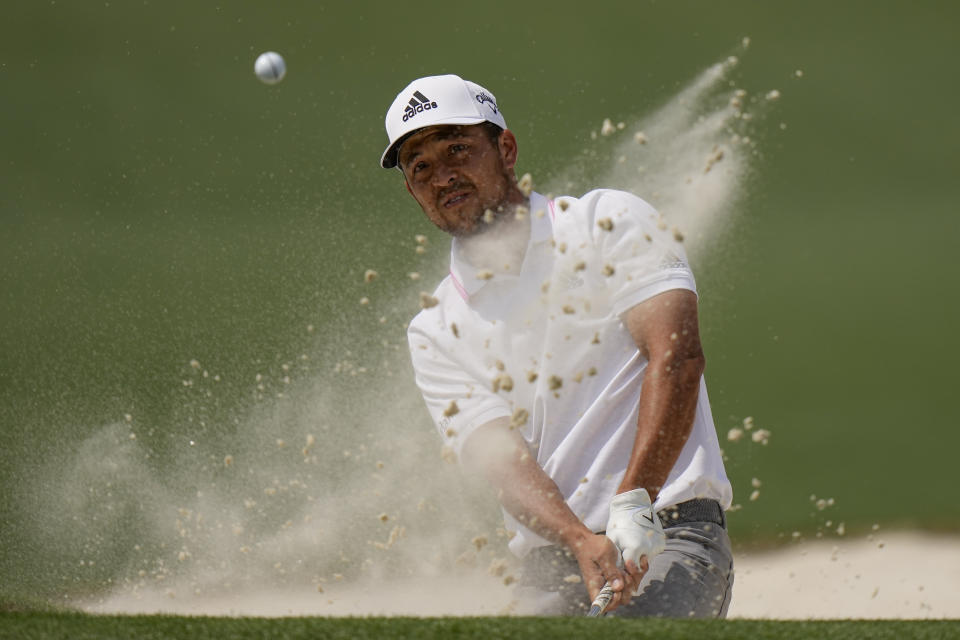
270 67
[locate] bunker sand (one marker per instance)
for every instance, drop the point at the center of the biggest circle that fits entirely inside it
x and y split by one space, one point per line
912 575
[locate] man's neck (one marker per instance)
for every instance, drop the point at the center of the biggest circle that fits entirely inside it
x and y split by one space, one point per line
501 245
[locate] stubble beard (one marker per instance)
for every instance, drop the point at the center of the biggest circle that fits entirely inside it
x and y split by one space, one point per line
500 207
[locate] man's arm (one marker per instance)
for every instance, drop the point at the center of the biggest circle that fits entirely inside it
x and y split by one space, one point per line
500 454
666 330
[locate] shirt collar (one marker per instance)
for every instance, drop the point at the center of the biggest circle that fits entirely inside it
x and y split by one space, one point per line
464 275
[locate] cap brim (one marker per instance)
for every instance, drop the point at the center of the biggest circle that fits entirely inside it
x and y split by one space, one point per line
389 158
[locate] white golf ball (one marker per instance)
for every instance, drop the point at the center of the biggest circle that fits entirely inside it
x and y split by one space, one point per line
270 67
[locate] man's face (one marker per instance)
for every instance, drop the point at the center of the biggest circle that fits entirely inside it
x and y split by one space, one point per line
456 173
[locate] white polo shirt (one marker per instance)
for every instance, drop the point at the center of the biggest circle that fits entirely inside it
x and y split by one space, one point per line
553 330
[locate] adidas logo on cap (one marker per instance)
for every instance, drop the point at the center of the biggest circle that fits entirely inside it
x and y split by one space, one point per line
418 104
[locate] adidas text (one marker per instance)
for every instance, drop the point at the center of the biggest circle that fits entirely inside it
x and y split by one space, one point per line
418 104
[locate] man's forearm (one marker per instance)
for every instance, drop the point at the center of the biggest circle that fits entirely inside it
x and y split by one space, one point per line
668 405
533 498
523 488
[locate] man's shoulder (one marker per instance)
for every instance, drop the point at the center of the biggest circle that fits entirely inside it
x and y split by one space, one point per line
435 307
601 208
610 198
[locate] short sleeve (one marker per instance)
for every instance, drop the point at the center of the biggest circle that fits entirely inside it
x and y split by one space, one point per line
642 256
456 399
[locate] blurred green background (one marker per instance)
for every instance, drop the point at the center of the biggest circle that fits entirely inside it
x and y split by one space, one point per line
158 205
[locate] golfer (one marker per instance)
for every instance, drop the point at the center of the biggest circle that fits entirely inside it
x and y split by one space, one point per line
561 357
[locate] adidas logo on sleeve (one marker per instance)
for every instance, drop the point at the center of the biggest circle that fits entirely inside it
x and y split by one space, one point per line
418 104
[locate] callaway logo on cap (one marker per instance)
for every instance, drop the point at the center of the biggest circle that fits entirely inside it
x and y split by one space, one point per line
452 100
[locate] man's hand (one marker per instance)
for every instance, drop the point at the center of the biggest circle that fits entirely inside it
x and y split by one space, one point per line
600 562
634 527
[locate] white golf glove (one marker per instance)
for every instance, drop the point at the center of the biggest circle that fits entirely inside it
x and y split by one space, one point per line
634 526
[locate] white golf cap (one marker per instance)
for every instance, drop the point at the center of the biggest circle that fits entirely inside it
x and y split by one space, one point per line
434 100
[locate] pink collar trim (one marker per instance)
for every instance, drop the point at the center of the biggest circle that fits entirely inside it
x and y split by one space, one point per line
459 287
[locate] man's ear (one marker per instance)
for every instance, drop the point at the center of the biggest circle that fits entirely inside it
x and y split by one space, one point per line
508 149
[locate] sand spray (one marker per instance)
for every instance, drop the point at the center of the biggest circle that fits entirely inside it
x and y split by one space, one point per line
331 495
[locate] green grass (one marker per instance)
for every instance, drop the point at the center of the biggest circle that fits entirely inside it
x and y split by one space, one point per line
78 626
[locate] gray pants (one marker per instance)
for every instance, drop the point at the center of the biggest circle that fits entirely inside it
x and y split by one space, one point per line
692 578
